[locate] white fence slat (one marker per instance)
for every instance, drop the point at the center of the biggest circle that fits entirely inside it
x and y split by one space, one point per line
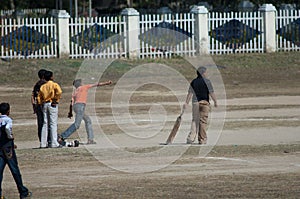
185 28
285 21
253 22
143 30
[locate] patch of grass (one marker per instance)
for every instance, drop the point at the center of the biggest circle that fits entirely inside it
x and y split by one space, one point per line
259 61
261 124
249 150
257 107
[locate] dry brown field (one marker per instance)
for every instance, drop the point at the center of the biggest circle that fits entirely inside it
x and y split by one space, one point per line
256 156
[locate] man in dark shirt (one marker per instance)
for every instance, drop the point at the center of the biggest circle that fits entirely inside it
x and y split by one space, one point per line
201 90
37 108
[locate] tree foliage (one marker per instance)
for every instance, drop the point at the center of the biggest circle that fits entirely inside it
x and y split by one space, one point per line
146 4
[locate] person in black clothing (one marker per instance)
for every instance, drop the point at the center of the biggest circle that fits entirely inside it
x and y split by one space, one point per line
7 152
201 90
37 108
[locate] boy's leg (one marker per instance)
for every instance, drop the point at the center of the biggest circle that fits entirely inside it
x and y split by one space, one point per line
45 132
14 168
88 127
2 166
204 111
79 112
40 120
53 115
192 134
195 124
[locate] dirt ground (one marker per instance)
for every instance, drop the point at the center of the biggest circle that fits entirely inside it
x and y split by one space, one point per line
255 155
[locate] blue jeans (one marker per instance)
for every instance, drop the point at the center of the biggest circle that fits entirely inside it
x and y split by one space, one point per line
79 109
14 169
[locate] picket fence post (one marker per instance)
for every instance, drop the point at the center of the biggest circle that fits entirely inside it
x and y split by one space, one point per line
132 21
201 29
269 27
63 35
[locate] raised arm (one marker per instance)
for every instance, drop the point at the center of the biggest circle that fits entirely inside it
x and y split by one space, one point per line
104 83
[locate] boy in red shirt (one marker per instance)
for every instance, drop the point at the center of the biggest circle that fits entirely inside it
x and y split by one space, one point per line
79 98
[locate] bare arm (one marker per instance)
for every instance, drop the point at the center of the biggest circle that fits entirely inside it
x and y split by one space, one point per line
32 98
33 102
187 100
104 83
214 98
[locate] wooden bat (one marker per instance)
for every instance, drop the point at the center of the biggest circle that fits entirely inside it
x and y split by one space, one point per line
175 129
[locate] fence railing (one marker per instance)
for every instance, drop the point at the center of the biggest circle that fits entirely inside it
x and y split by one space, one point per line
97 37
288 30
166 35
28 38
155 35
236 32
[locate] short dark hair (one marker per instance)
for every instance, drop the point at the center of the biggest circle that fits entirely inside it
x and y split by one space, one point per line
48 75
4 108
77 83
201 70
41 73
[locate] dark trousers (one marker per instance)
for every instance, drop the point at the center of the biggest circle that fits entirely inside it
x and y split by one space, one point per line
15 171
40 120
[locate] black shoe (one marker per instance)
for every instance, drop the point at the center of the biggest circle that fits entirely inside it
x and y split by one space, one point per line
76 143
29 194
61 140
59 137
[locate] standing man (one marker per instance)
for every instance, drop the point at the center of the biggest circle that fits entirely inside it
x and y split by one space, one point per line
7 152
49 96
37 108
79 99
200 89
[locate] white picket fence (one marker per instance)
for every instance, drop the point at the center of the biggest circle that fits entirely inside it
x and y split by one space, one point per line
251 20
161 35
157 40
286 19
28 38
89 37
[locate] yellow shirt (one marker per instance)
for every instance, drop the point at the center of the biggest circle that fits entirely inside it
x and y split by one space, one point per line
49 92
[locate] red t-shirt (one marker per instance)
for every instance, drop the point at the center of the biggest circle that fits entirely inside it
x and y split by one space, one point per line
80 94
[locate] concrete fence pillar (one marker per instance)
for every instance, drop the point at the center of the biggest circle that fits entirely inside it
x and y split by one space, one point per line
201 29
132 20
63 35
268 13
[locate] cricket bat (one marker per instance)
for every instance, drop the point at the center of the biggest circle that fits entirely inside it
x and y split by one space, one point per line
175 129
